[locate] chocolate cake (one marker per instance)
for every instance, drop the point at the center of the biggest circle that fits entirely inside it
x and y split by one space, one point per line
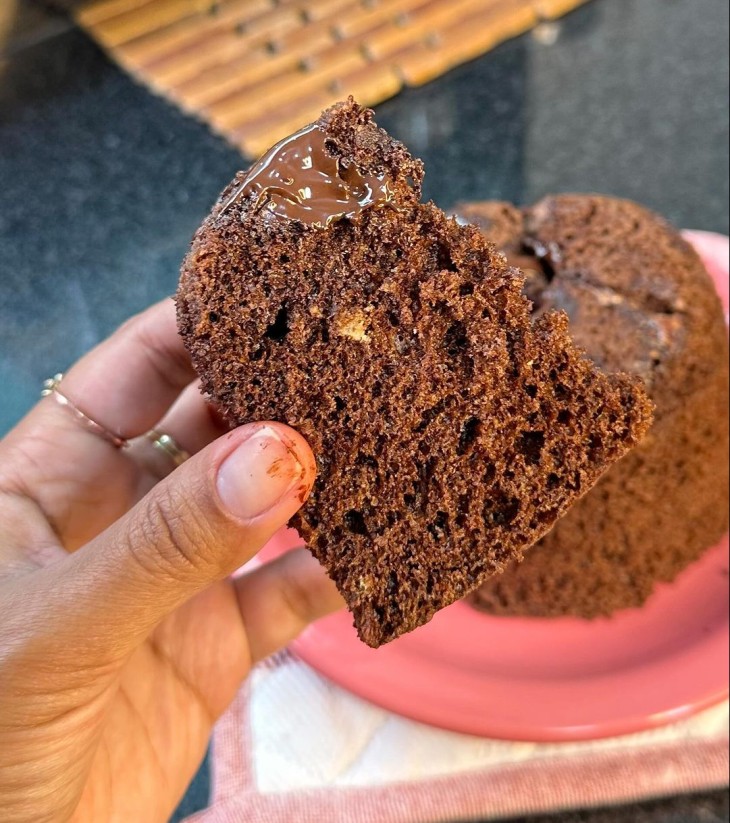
640 301
450 430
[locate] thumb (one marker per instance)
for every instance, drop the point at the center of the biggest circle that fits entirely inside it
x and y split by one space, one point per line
198 525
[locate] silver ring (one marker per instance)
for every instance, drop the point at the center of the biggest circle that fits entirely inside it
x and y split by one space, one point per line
168 446
51 389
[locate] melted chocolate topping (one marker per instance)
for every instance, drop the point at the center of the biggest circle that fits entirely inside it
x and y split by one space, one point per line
299 179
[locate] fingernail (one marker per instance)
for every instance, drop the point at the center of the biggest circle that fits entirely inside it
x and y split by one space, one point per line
262 471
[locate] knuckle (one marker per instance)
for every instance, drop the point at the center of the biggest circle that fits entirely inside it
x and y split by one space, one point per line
298 597
130 325
135 328
176 530
170 363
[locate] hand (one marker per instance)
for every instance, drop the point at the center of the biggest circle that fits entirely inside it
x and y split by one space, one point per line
122 638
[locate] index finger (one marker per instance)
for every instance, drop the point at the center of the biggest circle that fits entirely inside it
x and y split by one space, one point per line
128 382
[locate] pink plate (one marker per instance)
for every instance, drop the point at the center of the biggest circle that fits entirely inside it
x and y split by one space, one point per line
548 680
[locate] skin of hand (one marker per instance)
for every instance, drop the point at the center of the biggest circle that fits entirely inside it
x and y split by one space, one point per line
123 636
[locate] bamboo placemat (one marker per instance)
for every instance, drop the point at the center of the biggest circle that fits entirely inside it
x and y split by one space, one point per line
256 70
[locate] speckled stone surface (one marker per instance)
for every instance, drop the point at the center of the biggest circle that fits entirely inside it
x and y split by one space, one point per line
102 185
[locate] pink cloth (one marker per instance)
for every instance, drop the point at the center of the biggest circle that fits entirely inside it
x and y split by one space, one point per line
250 785
294 747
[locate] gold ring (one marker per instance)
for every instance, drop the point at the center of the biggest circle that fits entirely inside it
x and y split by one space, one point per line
50 389
168 445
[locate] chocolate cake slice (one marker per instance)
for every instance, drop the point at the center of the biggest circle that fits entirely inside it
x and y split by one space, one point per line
640 301
450 430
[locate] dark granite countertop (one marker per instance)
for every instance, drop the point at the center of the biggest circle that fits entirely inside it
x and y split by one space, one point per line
102 184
